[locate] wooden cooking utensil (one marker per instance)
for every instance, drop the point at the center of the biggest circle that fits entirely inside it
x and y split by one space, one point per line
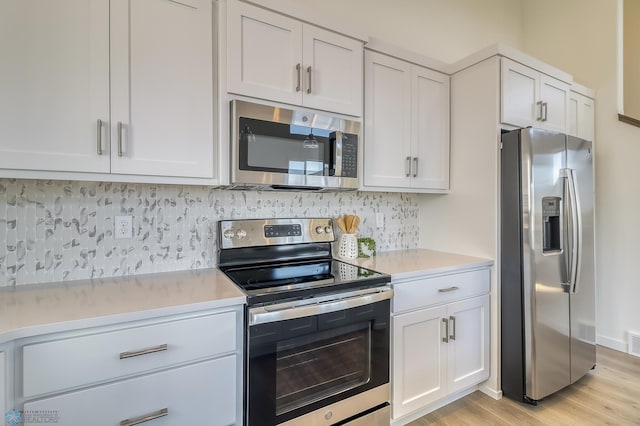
355 224
341 224
348 221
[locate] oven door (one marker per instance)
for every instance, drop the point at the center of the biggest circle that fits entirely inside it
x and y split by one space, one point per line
336 350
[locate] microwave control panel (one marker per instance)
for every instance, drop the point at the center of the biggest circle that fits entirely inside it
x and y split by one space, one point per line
349 156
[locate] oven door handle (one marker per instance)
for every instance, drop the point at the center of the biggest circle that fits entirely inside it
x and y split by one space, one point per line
263 315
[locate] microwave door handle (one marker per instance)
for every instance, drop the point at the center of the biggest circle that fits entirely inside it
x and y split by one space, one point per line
337 153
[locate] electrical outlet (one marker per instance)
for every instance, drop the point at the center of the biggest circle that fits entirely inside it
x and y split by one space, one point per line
123 227
380 220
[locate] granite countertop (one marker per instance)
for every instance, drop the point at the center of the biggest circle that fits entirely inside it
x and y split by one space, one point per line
45 308
404 264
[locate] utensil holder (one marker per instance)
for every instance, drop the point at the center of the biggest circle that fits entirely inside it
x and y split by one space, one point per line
348 246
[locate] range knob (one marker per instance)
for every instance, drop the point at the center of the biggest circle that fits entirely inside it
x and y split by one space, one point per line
328 229
320 230
241 234
229 233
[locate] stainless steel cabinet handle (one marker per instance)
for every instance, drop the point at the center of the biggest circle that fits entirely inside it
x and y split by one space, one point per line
309 72
145 418
539 104
445 339
158 348
120 152
299 71
99 137
415 166
452 336
407 166
544 107
446 290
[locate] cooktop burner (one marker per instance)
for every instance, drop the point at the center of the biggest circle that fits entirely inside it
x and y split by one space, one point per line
292 280
285 259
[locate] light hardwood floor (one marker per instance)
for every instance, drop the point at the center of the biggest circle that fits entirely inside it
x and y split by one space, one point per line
608 395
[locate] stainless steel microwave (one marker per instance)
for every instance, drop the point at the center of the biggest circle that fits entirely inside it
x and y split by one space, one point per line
278 148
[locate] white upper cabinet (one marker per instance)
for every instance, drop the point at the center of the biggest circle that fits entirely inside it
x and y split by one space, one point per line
387 123
273 57
581 116
406 140
531 98
54 85
104 86
430 129
162 88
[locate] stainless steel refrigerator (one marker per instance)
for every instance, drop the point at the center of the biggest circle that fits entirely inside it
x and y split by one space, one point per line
547 280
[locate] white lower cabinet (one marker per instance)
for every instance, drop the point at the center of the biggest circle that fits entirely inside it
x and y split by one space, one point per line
443 349
196 394
183 369
3 386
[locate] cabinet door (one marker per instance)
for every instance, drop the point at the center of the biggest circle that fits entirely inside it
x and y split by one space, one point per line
54 85
332 71
430 128
162 88
586 119
520 90
3 386
264 54
468 348
581 116
196 394
419 360
387 127
555 97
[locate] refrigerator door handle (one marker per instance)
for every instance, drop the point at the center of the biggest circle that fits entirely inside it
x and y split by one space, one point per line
576 211
574 242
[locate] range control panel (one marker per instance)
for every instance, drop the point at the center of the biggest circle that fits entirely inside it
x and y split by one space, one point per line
290 230
271 232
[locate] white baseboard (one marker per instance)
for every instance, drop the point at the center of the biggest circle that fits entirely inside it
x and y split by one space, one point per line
487 390
616 344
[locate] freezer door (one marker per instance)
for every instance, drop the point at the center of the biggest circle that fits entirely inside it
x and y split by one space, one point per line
546 297
582 298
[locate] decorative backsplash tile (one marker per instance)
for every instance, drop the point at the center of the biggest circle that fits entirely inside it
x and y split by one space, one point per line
59 230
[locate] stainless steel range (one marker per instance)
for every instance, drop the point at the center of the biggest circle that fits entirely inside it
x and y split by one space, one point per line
317 342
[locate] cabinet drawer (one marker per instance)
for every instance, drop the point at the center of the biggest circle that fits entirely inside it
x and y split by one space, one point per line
198 394
77 361
432 291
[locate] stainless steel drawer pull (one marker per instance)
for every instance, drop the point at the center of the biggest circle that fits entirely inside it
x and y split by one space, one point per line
145 418
407 166
309 72
446 290
415 166
99 138
298 69
158 348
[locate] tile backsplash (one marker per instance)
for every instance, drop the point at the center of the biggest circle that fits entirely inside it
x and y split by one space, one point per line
59 230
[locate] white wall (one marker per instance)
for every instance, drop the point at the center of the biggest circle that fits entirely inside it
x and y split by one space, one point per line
444 30
579 36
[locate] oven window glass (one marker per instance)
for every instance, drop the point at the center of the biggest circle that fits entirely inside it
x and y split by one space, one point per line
312 368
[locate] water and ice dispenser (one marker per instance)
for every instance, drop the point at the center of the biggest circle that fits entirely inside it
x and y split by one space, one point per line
551 229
